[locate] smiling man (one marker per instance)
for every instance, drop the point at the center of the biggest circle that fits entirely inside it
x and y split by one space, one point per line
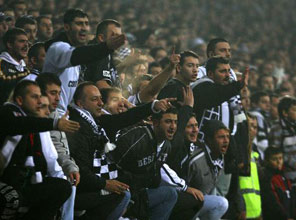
13 67
69 50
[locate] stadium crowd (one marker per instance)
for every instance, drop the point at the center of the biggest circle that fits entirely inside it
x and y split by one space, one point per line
132 109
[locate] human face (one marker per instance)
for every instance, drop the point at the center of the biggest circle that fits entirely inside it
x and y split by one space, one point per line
166 127
19 48
267 83
191 130
53 93
188 71
31 101
91 101
220 142
221 74
37 62
77 31
222 49
44 108
139 70
112 31
160 55
31 30
20 10
45 29
155 70
274 107
291 114
115 103
253 129
276 161
264 103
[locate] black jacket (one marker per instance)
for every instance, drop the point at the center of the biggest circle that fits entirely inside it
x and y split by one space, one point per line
13 122
85 142
278 197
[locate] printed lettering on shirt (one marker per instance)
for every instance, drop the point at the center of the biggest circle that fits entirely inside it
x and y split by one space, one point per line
162 157
146 161
17 114
11 70
106 73
72 83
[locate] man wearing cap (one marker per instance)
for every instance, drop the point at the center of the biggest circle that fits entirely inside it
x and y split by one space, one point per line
205 165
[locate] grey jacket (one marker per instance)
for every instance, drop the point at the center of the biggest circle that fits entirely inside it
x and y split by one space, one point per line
60 142
201 174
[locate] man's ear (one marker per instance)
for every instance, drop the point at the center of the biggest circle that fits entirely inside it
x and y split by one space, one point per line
79 103
19 100
211 54
67 27
33 60
210 74
100 38
178 68
9 45
155 122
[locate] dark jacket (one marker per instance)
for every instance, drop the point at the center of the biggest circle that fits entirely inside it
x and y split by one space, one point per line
278 197
14 122
136 153
85 142
9 76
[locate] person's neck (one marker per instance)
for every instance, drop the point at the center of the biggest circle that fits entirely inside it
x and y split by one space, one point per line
181 79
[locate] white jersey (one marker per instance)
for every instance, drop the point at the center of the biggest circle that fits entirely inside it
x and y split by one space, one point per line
57 60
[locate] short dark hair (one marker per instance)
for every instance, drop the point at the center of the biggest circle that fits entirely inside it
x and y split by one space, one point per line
255 98
105 92
34 50
26 19
158 116
211 127
212 45
39 18
213 62
78 95
45 79
270 151
187 53
10 35
153 64
21 88
103 25
285 103
73 13
154 51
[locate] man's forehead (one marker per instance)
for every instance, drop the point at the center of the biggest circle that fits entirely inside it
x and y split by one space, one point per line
172 116
21 36
191 59
79 19
223 66
222 45
53 86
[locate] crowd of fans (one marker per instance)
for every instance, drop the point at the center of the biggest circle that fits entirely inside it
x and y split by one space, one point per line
147 109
